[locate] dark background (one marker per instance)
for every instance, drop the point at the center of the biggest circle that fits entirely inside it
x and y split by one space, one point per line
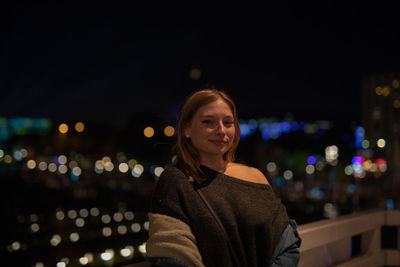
104 61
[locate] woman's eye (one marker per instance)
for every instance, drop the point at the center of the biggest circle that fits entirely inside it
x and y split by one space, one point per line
229 123
207 121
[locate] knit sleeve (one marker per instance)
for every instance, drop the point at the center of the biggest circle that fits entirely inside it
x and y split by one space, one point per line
170 234
171 238
168 198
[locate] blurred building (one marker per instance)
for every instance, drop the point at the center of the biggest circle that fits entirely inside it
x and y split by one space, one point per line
381 119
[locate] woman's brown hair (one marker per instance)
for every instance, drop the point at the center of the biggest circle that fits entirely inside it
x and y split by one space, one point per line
187 156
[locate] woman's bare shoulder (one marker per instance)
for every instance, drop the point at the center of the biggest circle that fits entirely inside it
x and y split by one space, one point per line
245 172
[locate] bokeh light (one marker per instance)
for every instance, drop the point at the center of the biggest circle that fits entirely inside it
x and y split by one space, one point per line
52 167
310 169
94 211
42 166
121 229
288 174
311 160
18 155
158 171
63 169
31 164
395 83
80 222
129 215
135 227
127 251
365 144
63 128
106 231
60 215
381 143
142 248
396 103
79 127
386 91
76 171
74 237
169 131
84 213
7 159
137 170
118 217
105 218
108 166
132 163
148 132
195 73
55 240
72 214
271 167
123 167
107 255
83 260
62 159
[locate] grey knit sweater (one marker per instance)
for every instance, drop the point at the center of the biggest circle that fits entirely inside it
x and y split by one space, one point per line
254 218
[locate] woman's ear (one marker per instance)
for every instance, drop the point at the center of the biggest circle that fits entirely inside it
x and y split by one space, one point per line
187 132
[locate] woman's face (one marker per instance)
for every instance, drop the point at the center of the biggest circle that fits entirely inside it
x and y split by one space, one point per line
212 129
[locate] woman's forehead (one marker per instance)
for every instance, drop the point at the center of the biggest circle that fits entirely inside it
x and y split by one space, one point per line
215 108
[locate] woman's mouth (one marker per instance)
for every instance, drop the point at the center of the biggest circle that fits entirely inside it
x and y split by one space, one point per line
218 142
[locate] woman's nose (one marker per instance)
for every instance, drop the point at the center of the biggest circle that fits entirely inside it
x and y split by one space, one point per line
220 128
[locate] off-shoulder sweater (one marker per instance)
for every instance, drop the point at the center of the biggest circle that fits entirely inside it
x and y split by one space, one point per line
254 218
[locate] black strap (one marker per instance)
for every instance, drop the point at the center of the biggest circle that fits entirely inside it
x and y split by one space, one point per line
221 226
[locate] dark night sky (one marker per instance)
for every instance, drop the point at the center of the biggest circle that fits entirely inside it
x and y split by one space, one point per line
104 61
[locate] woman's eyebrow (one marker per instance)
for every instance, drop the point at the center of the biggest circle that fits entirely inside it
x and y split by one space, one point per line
214 116
208 116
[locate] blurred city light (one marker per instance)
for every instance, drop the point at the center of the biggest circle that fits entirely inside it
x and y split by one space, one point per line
79 127
129 215
42 166
72 214
105 218
94 212
74 237
55 240
7 159
158 171
169 131
271 167
148 132
365 144
107 231
83 260
123 167
381 143
62 159
121 229
195 74
127 251
395 83
107 255
31 164
118 217
310 169
63 128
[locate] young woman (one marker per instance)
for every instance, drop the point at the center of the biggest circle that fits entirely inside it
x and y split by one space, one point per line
208 210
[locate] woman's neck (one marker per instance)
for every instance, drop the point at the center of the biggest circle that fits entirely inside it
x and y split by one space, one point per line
218 165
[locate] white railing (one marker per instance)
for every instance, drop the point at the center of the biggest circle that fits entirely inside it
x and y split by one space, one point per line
328 242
